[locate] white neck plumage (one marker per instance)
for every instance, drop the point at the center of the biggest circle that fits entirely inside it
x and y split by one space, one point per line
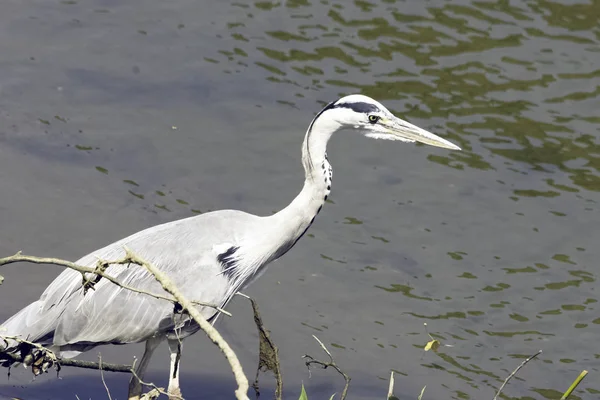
293 221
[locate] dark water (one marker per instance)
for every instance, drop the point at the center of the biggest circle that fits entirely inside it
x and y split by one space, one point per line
115 116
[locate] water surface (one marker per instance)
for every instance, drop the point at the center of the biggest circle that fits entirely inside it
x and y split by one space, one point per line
115 116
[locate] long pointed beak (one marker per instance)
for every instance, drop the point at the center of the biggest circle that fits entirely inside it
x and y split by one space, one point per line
407 131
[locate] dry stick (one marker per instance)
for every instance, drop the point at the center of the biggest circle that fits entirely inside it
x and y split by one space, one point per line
98 270
268 357
514 372
67 362
62 362
331 364
155 388
102 376
242 391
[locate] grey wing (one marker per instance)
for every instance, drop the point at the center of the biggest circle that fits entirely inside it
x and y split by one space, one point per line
110 314
183 249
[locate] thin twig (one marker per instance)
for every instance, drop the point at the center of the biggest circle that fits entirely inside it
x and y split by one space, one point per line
102 376
514 372
331 364
101 265
236 367
160 390
67 362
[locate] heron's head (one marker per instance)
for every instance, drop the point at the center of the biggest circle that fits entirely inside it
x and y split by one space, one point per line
375 121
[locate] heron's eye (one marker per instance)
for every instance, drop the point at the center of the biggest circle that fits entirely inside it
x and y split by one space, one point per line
373 119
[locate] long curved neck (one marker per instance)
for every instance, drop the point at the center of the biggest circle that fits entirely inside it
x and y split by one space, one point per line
294 220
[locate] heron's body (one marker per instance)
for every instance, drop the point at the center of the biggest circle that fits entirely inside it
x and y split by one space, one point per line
214 259
69 320
209 257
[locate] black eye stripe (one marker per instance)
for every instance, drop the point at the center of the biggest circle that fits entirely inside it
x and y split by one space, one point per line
359 107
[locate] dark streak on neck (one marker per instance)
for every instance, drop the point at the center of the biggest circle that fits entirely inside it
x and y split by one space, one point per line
310 127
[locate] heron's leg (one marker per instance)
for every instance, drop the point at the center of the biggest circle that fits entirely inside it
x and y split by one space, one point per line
135 386
175 349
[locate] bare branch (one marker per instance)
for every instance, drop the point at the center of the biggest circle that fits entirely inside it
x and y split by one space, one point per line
325 365
236 367
99 270
67 362
514 372
178 298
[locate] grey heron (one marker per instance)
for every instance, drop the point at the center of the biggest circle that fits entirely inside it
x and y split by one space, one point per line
209 257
